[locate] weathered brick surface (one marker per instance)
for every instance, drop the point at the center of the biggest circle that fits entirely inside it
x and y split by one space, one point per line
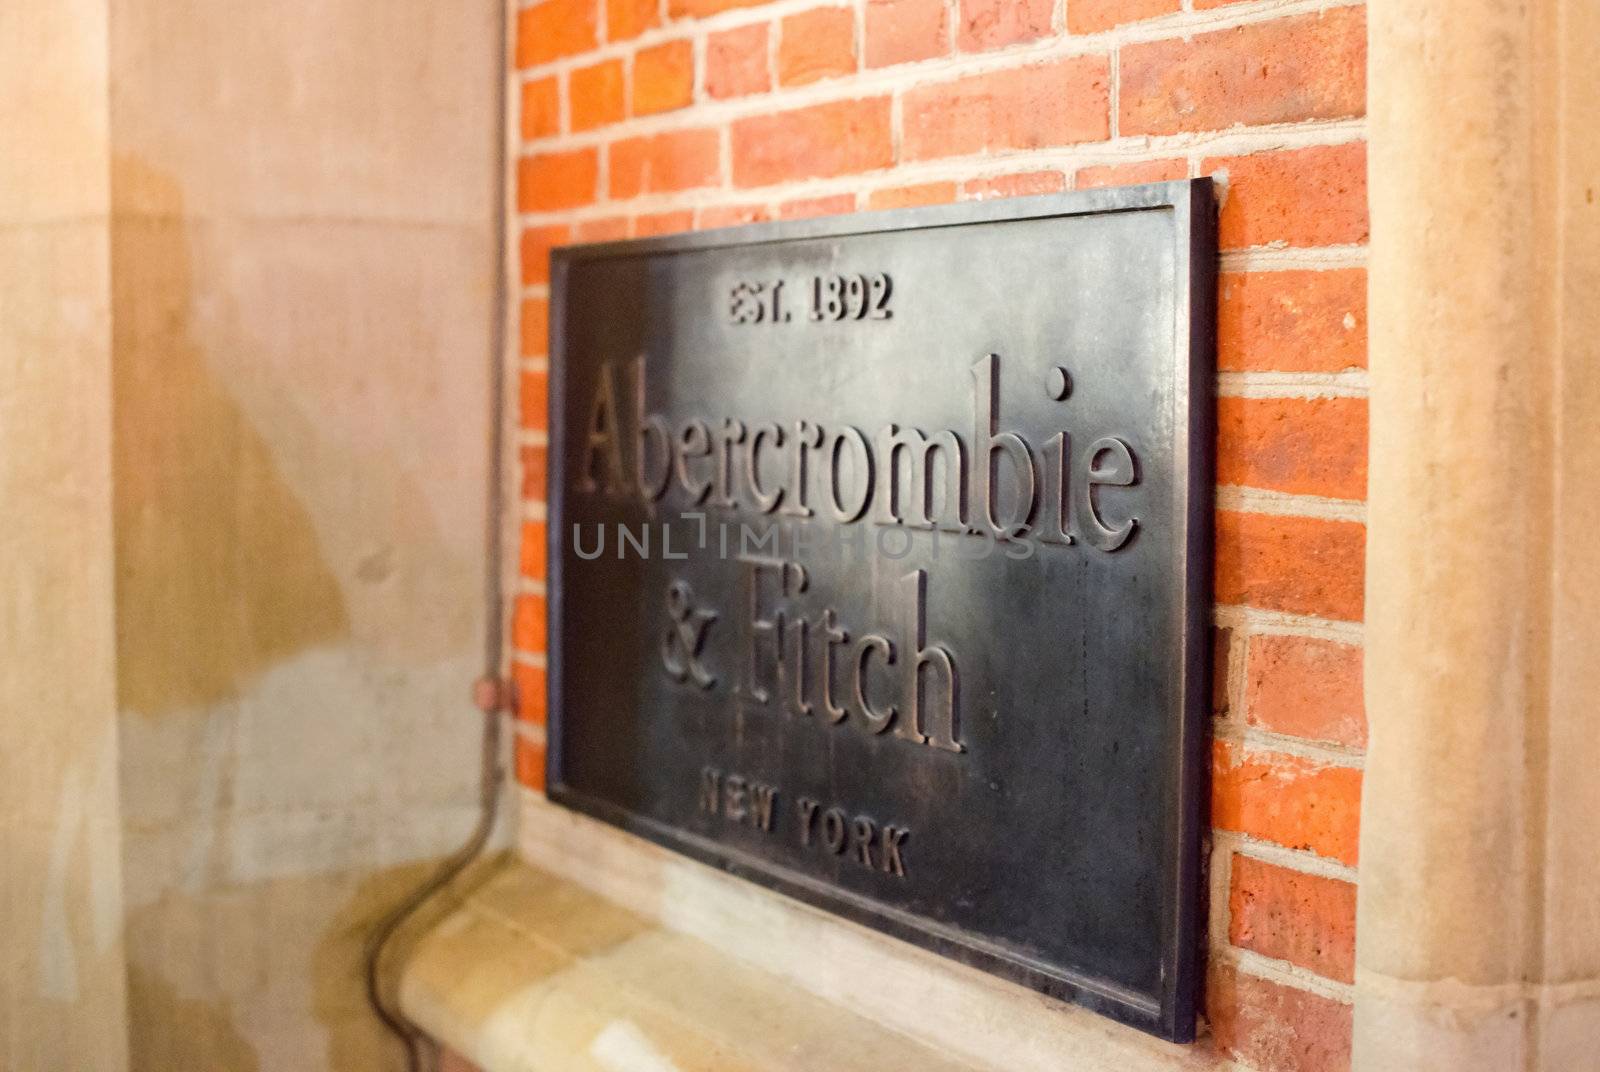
532 561
533 391
529 763
1279 71
1131 173
730 216
627 19
804 207
736 62
541 108
927 193
534 251
1267 1025
1299 565
1306 687
986 24
1292 321
823 140
596 93
1296 197
663 77
1307 920
535 327
649 224
816 44
1056 103
528 631
1303 446
902 31
1091 16
641 118
528 685
1021 184
1286 799
662 163
557 180
555 28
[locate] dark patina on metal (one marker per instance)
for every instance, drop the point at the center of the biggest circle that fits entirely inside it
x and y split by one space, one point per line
880 560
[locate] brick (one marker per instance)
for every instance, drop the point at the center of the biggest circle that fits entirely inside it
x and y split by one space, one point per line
1056 103
1286 799
1092 16
1293 321
1305 687
664 163
550 181
1130 174
1299 446
736 62
1285 70
928 193
663 223
1221 663
807 207
1295 197
540 115
534 251
1298 565
699 9
663 78
535 323
730 216
533 390
627 19
1021 184
1263 1024
839 138
530 700
986 24
555 28
595 93
532 550
529 762
528 626
535 460
608 229
816 44
1307 920
902 31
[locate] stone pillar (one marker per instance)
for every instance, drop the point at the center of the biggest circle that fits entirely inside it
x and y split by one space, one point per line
62 989
1479 922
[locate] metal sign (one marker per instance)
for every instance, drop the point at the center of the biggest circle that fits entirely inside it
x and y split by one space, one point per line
880 571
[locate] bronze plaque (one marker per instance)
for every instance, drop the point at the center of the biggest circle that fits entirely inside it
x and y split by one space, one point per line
880 571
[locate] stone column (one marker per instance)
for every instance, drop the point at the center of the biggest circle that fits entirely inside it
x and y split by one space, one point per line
1479 923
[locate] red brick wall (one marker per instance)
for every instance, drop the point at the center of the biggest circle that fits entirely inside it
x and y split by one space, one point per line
650 116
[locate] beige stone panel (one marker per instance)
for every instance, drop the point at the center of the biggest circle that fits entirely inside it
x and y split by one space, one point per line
974 1018
1478 932
53 111
308 109
260 975
1572 906
61 967
533 972
301 501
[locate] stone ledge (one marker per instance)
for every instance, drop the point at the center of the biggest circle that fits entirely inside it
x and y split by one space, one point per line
528 971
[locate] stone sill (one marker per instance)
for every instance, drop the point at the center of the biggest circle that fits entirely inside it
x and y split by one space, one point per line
598 950
531 972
